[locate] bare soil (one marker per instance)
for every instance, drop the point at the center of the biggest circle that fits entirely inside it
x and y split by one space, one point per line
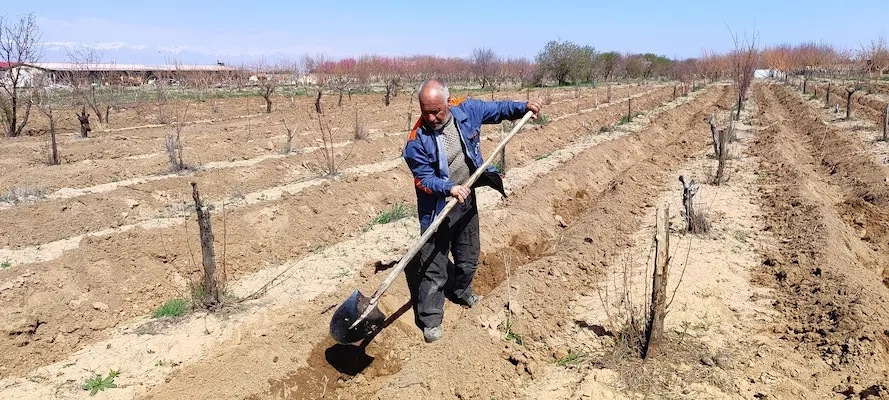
784 296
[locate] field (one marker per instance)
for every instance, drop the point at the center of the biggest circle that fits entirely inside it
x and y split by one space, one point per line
785 295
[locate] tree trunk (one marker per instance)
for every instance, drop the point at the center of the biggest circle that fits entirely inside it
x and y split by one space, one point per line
849 104
268 104
629 109
210 283
886 123
608 99
689 190
53 144
740 102
720 167
655 328
714 135
13 118
318 102
84 119
827 96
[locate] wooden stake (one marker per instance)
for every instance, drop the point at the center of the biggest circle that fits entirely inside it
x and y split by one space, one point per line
655 328
211 288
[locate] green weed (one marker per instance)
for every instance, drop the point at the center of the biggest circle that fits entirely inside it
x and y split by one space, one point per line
97 383
572 358
396 212
172 308
508 334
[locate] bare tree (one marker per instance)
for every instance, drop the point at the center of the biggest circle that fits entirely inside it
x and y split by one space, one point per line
86 61
744 58
876 57
267 86
19 44
484 64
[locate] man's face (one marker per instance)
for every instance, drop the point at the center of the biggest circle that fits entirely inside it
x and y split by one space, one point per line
434 111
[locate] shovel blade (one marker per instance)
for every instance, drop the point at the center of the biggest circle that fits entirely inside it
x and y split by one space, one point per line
341 322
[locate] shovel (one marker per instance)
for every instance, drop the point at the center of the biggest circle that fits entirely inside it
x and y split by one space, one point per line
359 315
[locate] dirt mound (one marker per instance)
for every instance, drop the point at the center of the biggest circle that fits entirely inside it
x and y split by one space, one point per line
827 285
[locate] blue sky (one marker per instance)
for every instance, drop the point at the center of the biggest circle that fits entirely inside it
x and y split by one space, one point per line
232 31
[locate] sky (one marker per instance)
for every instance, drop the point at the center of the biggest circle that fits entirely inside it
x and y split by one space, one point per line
204 32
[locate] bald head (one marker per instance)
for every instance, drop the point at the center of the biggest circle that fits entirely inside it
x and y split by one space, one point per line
433 90
433 98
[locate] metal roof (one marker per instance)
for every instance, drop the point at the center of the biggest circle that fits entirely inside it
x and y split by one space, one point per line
128 67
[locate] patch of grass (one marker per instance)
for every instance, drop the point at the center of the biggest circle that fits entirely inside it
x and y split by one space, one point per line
625 119
23 194
172 308
542 156
573 357
5 264
508 334
396 212
98 383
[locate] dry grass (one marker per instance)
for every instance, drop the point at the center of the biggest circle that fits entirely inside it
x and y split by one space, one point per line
359 129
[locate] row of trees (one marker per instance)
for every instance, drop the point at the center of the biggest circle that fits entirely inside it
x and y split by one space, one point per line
558 62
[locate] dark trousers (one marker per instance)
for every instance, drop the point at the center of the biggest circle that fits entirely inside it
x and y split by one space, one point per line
431 276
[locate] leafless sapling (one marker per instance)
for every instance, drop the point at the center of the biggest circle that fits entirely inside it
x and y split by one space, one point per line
44 104
20 44
211 284
850 91
288 146
173 143
744 58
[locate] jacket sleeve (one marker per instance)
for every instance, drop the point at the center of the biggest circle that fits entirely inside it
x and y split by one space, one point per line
424 175
493 112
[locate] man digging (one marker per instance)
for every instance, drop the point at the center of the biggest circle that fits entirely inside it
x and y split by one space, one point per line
442 151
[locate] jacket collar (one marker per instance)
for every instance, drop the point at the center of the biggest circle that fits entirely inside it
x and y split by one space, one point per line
459 114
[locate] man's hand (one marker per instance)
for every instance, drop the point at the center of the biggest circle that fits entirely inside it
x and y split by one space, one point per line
460 192
533 106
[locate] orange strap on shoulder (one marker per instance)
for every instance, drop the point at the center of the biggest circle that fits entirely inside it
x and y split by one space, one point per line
413 134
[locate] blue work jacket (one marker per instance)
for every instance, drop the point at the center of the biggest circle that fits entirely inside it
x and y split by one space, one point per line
426 157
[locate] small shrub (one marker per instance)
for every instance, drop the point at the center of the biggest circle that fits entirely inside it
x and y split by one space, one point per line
360 128
172 308
97 383
5 264
23 194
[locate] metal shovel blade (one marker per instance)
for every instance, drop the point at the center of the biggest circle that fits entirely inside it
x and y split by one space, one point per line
341 329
